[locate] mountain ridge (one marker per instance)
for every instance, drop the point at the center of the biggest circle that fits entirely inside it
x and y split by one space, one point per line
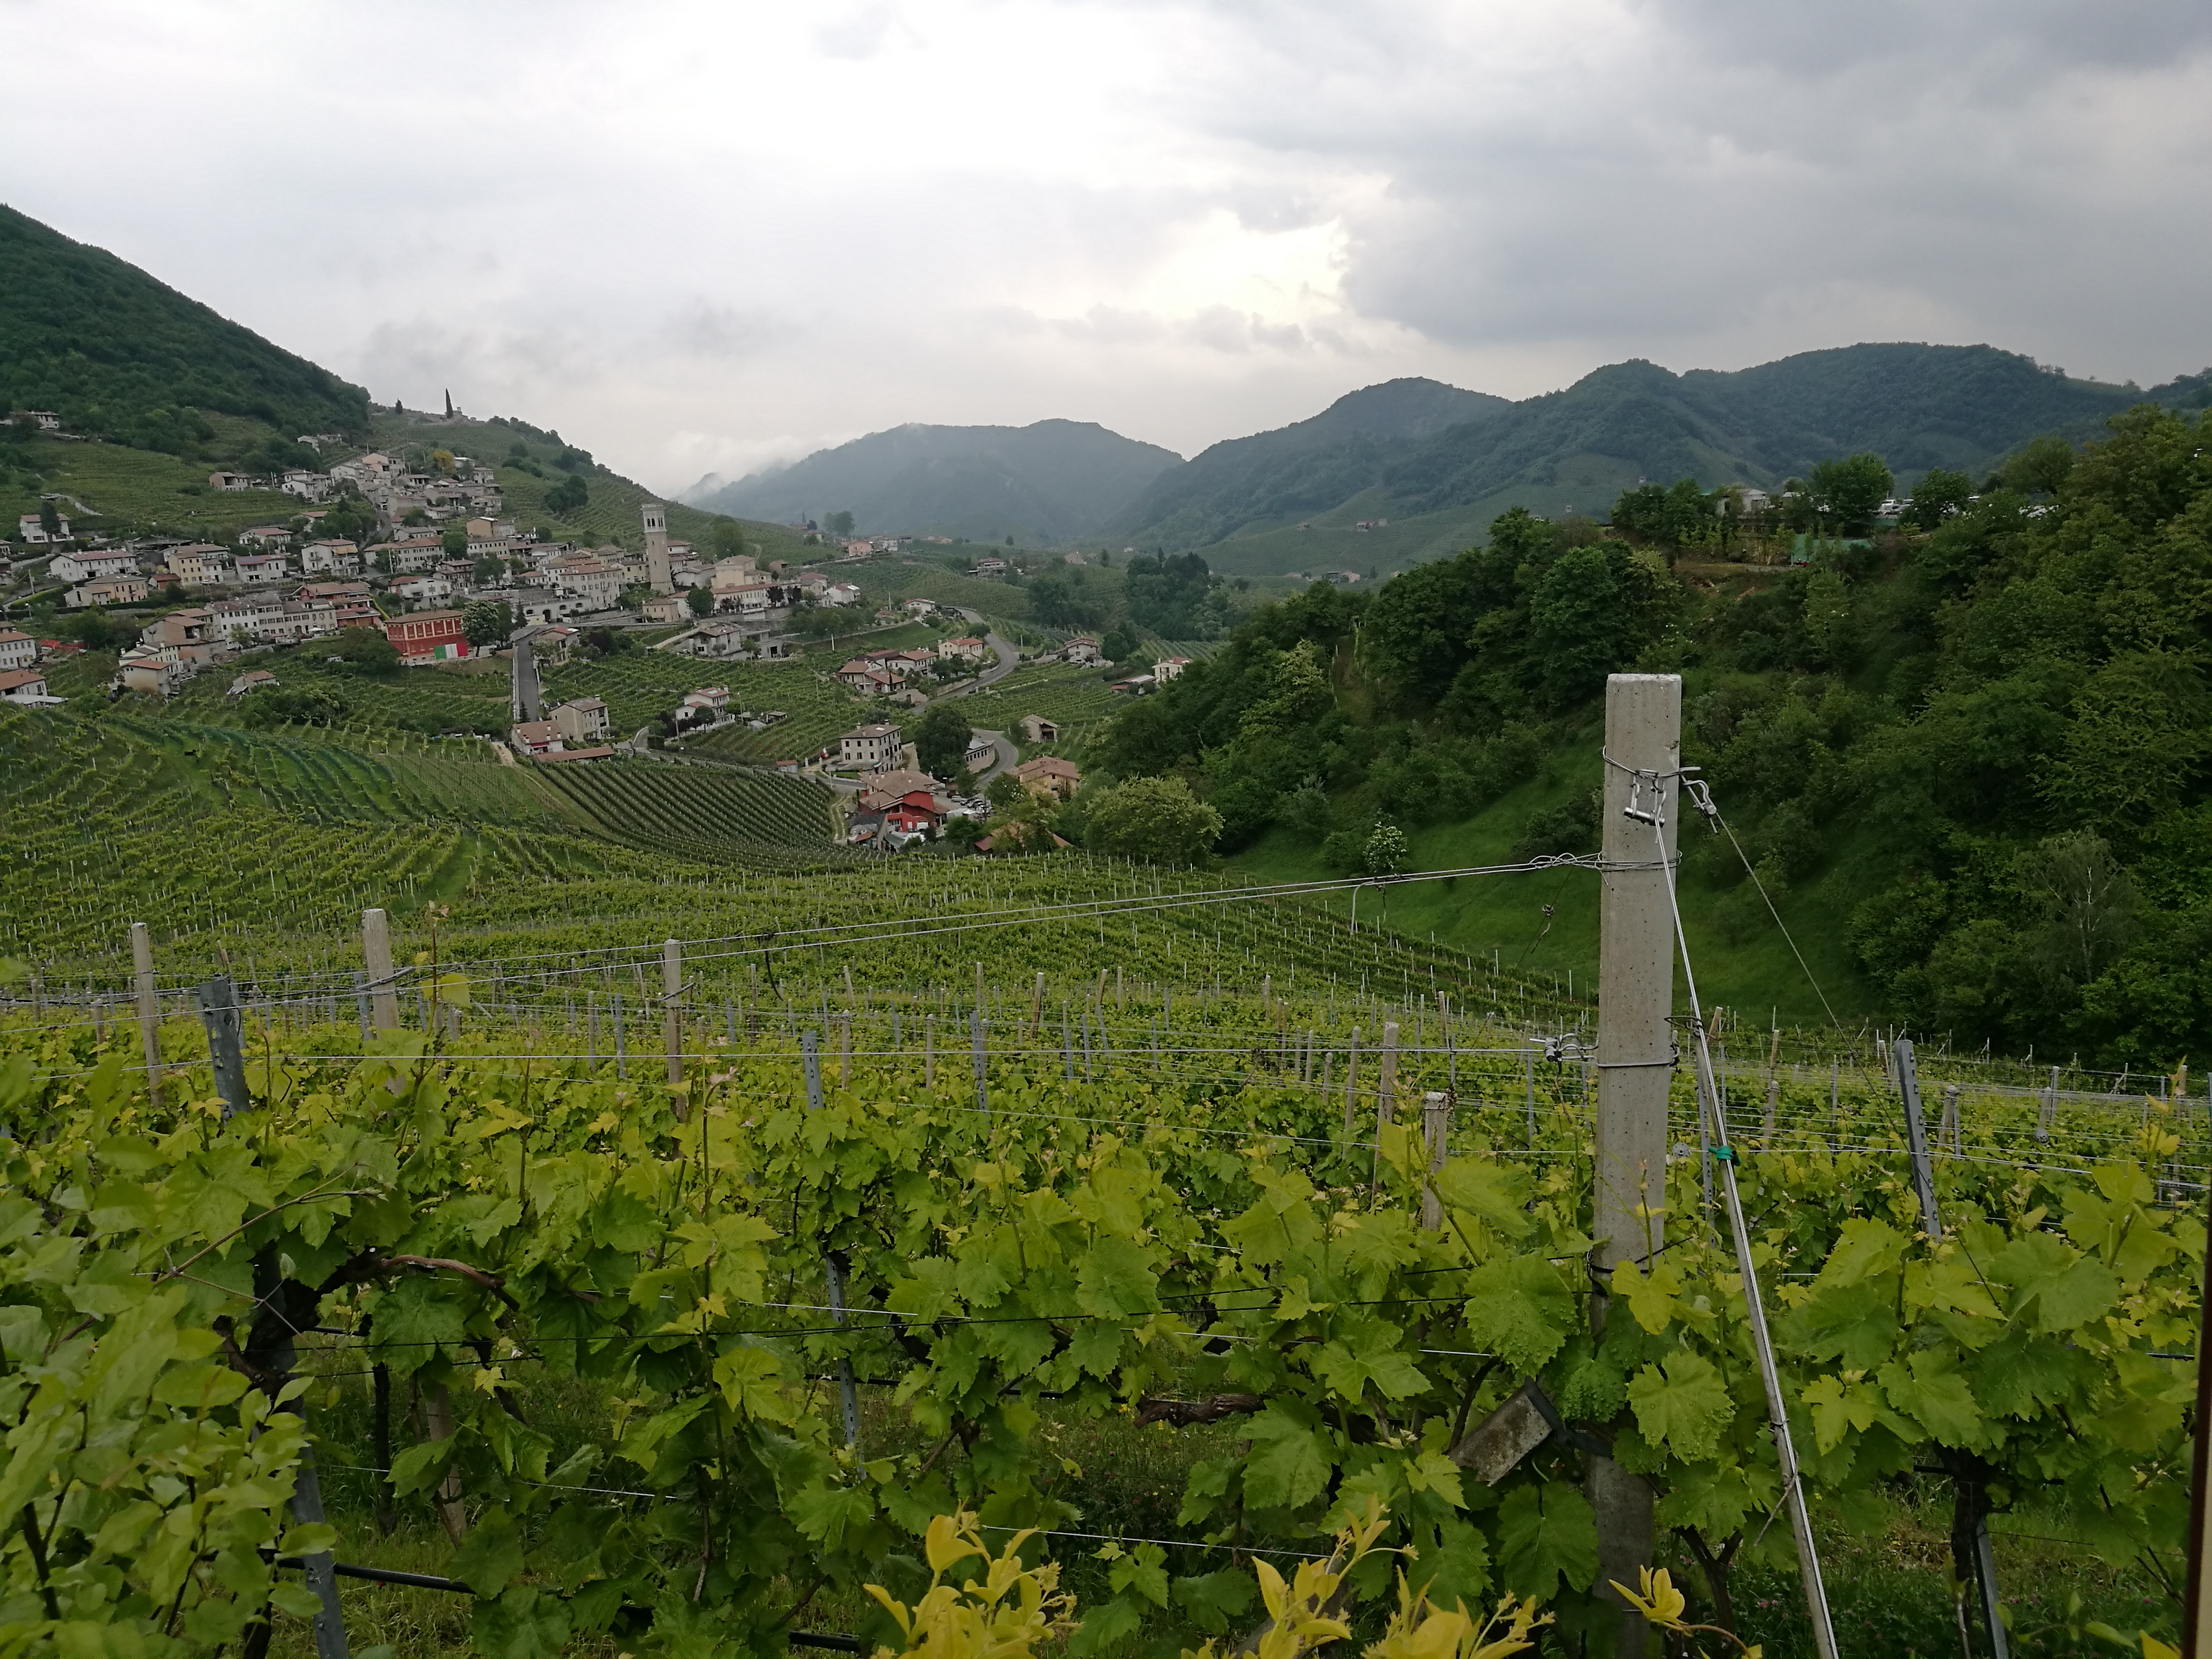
1051 480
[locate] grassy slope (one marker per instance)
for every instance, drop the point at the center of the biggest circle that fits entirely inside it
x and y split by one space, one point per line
136 487
1753 973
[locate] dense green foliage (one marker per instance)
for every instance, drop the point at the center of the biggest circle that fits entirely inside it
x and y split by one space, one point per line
1175 1225
1987 737
121 356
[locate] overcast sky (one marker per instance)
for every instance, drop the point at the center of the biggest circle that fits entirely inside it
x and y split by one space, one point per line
703 237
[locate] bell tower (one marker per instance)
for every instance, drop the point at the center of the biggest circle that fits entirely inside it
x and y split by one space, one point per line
656 549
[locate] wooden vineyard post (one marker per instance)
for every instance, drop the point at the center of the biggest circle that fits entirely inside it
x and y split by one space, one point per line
1435 1133
376 959
278 1309
226 1052
975 1040
1635 1051
1972 1493
671 1017
1916 1136
2197 1593
149 1008
1386 1105
1351 1085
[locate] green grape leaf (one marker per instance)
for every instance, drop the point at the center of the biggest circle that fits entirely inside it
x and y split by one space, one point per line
931 1291
1929 1391
1113 1277
1489 1192
827 1513
1863 1249
1650 1299
521 1624
1215 1600
1104 1625
1682 1404
1840 1408
1456 1566
752 1382
2065 1290
1518 1308
421 1467
1347 1372
490 1555
1143 1570
1547 1534
1289 1463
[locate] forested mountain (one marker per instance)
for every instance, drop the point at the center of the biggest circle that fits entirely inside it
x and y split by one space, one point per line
1309 466
1052 481
122 357
1919 406
1986 752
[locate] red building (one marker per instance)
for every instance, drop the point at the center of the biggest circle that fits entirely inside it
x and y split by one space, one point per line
427 636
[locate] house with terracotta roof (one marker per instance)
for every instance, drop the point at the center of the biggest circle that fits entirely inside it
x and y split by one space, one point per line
427 636
1049 775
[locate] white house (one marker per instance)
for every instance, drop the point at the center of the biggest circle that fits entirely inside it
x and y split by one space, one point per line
841 593
28 529
17 649
336 558
424 589
1170 668
869 745
308 486
88 566
582 720
23 685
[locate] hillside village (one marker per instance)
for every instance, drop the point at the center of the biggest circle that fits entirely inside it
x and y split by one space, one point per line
422 566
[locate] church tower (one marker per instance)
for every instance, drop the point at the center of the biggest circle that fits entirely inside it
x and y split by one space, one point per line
656 549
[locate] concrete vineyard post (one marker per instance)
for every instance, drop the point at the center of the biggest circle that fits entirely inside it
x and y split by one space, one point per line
671 1018
1386 1102
1436 1134
149 1008
1036 1007
1916 1135
376 959
1635 995
219 1014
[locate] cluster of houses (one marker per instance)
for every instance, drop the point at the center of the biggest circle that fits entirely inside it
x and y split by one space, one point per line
578 730
899 803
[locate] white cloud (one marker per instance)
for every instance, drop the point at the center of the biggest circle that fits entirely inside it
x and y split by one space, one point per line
702 238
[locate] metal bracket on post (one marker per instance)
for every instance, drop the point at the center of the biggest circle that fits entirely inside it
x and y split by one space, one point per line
1916 1137
226 1049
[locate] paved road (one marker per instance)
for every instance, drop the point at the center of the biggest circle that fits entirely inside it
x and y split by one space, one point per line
529 701
1008 756
1008 659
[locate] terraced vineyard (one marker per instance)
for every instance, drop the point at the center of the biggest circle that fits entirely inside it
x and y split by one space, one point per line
819 709
688 809
1073 696
213 828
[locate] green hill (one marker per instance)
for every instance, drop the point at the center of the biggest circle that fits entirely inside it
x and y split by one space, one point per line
1289 499
122 357
1050 482
1970 767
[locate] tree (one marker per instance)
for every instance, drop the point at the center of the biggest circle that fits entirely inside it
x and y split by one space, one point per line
1938 496
1059 601
488 569
1156 819
453 540
1385 852
486 622
700 601
838 524
729 537
49 518
940 742
1845 493
2041 469
567 498
365 651
1119 645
